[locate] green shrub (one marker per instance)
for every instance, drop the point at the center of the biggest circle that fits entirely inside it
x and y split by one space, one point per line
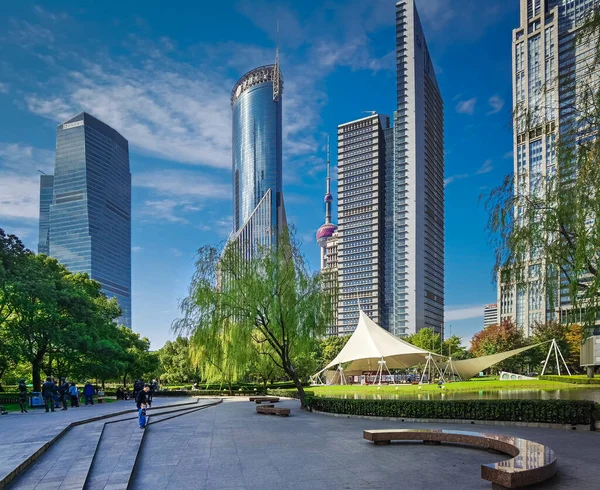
542 411
222 392
572 380
289 393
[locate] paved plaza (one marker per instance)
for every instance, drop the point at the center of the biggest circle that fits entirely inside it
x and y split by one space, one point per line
229 446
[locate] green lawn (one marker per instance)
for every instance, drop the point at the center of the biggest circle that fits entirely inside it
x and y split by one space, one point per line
463 386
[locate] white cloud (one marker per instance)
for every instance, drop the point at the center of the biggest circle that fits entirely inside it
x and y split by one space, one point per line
496 104
466 106
3 88
176 252
456 313
19 179
485 168
185 183
162 210
454 178
508 155
136 249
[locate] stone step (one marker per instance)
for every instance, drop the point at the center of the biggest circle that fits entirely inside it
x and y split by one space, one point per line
117 453
65 464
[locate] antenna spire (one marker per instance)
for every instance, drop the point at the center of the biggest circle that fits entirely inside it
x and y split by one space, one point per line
276 73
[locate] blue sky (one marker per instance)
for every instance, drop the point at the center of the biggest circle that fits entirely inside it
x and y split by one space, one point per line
161 74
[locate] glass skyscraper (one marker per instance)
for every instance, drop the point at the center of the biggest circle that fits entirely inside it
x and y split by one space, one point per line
548 65
90 213
258 208
46 192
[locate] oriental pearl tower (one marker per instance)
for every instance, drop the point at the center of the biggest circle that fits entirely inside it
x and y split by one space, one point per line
325 231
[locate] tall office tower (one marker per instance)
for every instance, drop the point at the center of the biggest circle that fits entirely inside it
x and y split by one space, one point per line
258 208
46 192
490 315
414 231
327 240
547 63
361 161
90 214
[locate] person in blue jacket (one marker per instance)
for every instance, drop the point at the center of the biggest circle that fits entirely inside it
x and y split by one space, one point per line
88 392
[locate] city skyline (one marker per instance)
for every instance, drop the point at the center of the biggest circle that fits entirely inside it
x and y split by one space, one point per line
181 160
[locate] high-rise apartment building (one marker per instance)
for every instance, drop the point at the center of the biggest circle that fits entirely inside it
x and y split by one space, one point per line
390 240
490 315
414 182
361 162
546 60
258 207
46 192
90 213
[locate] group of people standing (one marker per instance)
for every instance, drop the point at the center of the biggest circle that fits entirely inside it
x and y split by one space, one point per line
55 393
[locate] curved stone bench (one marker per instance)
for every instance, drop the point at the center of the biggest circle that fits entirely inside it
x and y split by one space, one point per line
531 462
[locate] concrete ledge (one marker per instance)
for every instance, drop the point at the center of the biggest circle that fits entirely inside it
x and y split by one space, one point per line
461 421
36 455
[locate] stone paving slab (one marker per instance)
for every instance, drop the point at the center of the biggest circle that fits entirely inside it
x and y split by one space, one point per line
22 435
230 446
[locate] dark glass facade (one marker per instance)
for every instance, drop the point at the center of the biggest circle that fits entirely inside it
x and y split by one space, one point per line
46 192
90 215
257 156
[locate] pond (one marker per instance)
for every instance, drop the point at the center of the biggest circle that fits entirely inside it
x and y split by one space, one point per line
591 394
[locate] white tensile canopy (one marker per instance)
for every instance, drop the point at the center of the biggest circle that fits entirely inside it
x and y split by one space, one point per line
467 368
370 344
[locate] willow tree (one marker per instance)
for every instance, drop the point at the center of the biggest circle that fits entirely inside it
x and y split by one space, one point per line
545 226
263 303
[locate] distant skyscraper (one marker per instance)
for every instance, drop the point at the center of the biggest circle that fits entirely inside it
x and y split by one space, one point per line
361 162
258 208
46 192
490 315
327 240
90 214
414 214
547 58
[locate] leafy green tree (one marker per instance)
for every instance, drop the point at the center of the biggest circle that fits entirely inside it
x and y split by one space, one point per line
176 364
452 346
546 230
330 347
137 361
272 294
426 339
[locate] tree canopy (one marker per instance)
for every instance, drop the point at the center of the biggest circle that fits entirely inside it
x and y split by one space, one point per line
267 304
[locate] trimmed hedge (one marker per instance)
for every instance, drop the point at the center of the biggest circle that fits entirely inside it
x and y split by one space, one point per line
574 381
289 393
7 398
224 392
575 412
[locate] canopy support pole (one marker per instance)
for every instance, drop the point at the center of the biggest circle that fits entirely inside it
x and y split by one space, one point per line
428 370
342 377
557 353
453 372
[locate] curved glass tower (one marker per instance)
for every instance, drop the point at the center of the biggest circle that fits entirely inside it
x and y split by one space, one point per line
258 215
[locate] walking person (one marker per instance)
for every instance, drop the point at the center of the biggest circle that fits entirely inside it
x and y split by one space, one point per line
22 395
153 389
142 403
74 394
49 392
88 393
63 392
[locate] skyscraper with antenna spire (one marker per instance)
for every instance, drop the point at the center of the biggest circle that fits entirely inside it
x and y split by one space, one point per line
326 231
258 208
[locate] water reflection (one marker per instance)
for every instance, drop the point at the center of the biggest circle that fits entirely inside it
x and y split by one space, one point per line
572 394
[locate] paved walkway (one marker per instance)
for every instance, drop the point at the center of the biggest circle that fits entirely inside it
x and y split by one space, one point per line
21 435
231 447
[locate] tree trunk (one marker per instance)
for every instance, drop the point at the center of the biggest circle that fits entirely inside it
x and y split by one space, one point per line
230 390
125 381
264 386
36 375
297 384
